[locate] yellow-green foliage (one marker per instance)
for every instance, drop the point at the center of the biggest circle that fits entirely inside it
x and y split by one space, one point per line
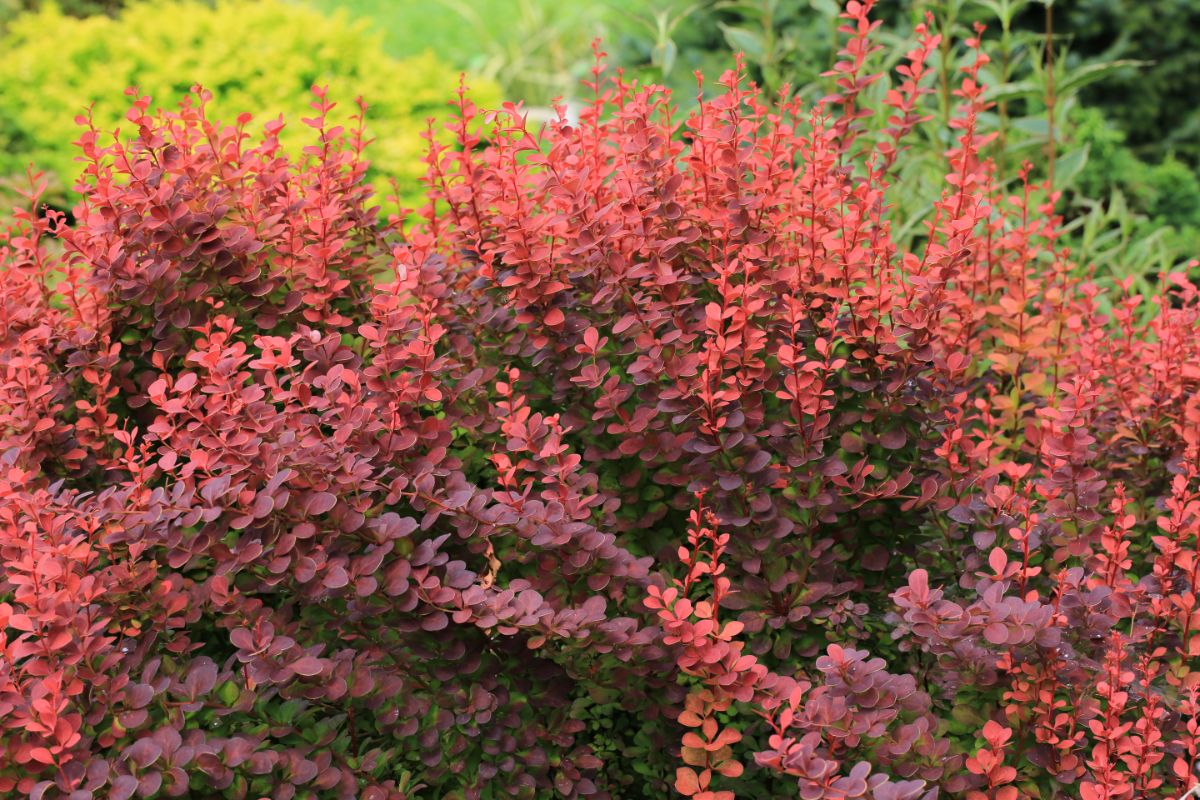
261 56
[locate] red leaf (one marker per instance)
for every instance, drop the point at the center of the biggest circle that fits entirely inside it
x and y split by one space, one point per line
687 783
319 503
307 666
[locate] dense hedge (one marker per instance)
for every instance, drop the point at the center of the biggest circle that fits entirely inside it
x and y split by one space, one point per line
1167 194
1156 104
258 56
647 462
76 8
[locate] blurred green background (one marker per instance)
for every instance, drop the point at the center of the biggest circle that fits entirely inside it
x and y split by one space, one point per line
1111 87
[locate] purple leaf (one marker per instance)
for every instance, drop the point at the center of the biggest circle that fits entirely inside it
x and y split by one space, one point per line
319 503
307 666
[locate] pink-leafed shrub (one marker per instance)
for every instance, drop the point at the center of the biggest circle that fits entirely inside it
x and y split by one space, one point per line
645 463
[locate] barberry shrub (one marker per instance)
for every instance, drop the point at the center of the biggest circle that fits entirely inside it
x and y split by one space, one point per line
643 463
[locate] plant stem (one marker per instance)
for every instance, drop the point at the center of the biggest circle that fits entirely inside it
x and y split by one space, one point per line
1050 98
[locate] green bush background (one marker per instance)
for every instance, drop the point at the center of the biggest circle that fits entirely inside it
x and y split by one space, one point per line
261 56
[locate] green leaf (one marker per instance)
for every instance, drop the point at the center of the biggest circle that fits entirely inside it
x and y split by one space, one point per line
663 55
746 41
228 692
1068 166
1087 74
1014 90
1034 126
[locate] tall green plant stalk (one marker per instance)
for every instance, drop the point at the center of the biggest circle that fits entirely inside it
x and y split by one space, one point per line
1050 95
1005 12
945 16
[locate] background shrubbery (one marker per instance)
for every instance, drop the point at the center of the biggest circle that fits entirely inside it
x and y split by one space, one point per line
1155 105
261 55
